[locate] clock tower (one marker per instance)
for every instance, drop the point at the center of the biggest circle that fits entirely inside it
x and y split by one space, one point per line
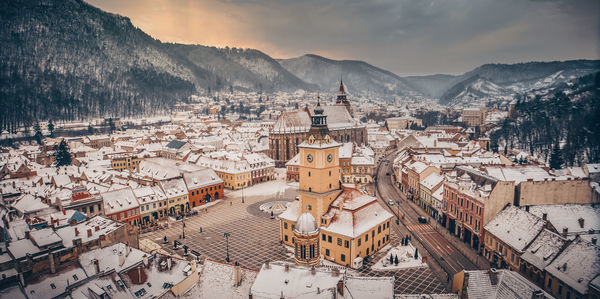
319 168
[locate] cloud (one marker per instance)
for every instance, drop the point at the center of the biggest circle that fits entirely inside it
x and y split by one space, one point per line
404 36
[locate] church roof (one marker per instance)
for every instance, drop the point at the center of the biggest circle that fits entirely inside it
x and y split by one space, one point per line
299 121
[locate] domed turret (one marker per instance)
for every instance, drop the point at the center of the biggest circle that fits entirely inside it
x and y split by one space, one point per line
306 241
306 225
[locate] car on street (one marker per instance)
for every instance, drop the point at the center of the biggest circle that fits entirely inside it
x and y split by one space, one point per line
391 202
422 219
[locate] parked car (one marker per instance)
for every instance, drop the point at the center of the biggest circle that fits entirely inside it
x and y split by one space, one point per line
391 202
422 219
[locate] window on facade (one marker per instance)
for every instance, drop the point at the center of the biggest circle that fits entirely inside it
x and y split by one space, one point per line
343 257
324 237
346 243
339 242
379 229
359 241
329 239
327 252
366 237
285 225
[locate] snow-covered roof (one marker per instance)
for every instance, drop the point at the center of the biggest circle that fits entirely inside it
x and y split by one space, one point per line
577 218
515 227
346 150
119 200
201 178
44 237
432 180
543 249
52 285
217 280
99 225
359 213
174 187
577 265
278 279
114 257
21 248
499 284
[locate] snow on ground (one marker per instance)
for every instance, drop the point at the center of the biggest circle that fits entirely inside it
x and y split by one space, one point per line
263 189
405 259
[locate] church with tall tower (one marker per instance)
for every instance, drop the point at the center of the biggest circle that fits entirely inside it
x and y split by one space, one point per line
330 220
342 99
292 128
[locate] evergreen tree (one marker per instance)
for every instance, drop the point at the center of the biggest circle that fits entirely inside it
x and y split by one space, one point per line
62 154
38 133
111 125
416 253
556 160
494 146
391 259
396 260
51 128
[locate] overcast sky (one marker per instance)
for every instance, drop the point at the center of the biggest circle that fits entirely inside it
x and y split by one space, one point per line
408 37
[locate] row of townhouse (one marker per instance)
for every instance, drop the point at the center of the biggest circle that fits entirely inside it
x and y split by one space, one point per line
553 246
239 170
185 185
465 193
472 197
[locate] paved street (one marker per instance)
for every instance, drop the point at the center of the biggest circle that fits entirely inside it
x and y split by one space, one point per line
438 246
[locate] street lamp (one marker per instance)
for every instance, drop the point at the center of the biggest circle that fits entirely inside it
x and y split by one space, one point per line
242 193
226 235
182 229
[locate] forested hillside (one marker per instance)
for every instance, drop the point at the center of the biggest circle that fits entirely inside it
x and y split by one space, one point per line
565 123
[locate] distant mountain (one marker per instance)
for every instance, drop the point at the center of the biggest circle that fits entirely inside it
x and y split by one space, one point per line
432 85
65 59
358 76
498 82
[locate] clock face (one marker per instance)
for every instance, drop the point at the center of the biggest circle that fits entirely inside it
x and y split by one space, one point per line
309 158
329 158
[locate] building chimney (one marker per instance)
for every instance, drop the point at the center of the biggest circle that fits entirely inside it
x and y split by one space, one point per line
52 264
76 231
545 216
313 270
96 265
267 266
89 232
169 262
581 222
527 208
565 231
64 212
27 234
538 294
287 267
97 228
145 260
594 241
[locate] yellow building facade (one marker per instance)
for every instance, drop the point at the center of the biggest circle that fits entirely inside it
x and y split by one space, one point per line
350 225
